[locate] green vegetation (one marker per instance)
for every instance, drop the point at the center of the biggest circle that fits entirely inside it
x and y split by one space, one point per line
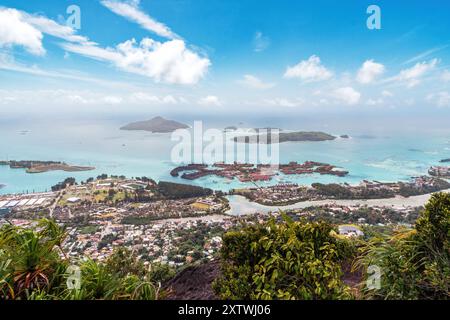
155 125
32 267
277 259
181 191
288 260
62 185
305 260
333 190
288 137
415 264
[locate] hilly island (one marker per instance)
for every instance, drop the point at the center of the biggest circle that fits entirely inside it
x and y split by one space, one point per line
299 136
155 125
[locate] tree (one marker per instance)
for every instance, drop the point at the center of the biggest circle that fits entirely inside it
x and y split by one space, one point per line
31 268
287 260
415 264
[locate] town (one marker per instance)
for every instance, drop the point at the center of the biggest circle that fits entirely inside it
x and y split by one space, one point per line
177 224
285 194
250 173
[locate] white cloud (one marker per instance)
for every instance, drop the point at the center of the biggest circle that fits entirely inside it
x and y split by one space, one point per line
375 102
425 54
131 11
210 101
260 42
8 63
14 31
59 97
369 72
446 76
309 70
386 93
23 29
440 99
347 95
54 29
169 62
413 76
255 83
283 102
112 100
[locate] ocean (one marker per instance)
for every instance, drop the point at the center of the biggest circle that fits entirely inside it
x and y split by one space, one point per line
372 153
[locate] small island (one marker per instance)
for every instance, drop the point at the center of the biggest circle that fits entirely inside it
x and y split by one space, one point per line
155 125
439 171
33 166
247 172
299 136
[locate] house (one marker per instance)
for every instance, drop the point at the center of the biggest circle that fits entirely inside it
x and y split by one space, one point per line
73 200
350 231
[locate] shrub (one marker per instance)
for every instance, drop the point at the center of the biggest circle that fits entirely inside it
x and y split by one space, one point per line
415 264
288 260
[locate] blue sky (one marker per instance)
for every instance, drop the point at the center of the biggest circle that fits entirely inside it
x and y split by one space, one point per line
211 55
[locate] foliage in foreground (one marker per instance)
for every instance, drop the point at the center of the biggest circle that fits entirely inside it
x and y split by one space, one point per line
32 267
287 260
414 264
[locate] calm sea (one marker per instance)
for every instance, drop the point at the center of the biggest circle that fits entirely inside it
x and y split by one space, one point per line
373 152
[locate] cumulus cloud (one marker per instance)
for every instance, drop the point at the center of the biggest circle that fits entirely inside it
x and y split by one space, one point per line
86 97
440 99
347 95
23 29
413 76
145 98
375 102
14 31
369 72
210 101
283 102
169 62
253 82
112 100
130 10
309 70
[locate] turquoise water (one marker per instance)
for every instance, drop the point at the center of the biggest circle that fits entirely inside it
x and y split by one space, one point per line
383 157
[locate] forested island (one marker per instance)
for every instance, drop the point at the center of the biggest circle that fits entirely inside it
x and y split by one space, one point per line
35 166
299 136
155 125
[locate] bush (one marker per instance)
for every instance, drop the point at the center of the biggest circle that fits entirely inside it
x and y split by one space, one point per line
415 264
32 267
288 260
